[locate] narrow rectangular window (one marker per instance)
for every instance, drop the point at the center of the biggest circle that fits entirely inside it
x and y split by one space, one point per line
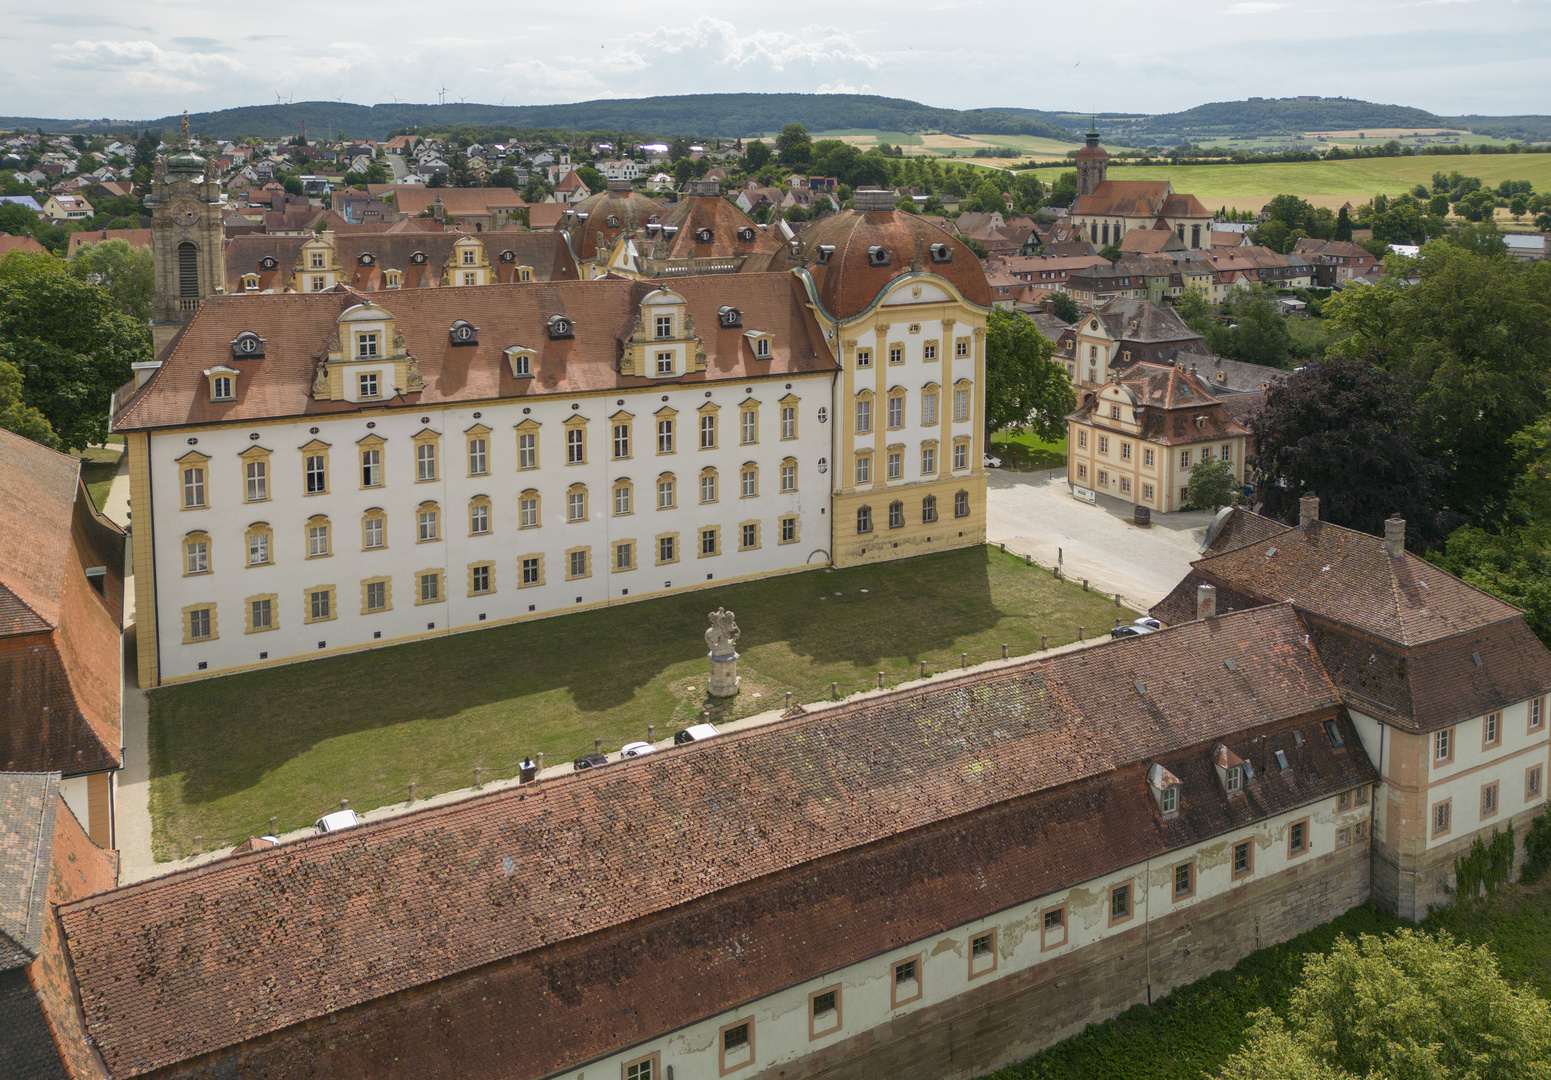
1052 932
750 536
788 477
1489 801
750 426
428 525
478 458
1443 745
789 422
1184 880
1532 784
258 481
1441 818
708 541
366 344
961 347
1147 457
528 512
579 564
1184 459
623 555
707 431
425 461
622 500
929 410
665 363
371 468
199 623
258 549
788 530
621 441
864 519
896 412
863 417
479 580
1243 858
961 504
319 603
864 469
530 571
960 405
664 494
373 533
896 465
1119 903
317 541
262 615
575 446
317 474
665 549
665 326
193 487
479 519
1491 726
907 982
430 588
576 506
527 451
960 456
750 479
1537 713
1297 838
376 595
665 436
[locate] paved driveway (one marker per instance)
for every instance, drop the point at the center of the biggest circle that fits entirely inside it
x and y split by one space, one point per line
1035 514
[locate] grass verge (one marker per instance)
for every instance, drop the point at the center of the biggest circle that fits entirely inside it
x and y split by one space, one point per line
1190 1033
228 753
1021 451
99 465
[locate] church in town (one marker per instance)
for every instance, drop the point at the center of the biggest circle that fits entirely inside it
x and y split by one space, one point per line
1106 210
366 462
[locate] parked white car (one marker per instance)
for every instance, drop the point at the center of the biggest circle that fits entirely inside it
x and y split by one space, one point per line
636 749
695 733
991 462
338 821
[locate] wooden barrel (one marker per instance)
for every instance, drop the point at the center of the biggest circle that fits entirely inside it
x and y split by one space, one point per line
1143 516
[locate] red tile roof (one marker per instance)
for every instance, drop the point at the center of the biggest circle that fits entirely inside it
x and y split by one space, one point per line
611 906
297 328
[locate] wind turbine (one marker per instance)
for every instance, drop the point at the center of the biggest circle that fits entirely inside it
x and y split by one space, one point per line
442 99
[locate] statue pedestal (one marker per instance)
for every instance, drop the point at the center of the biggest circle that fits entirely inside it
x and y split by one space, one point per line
724 675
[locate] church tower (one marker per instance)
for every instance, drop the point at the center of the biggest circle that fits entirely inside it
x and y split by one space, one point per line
187 238
1092 163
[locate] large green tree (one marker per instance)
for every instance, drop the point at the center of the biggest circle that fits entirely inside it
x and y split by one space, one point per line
1023 387
794 147
1342 429
1406 1006
128 273
1471 333
16 415
757 156
1212 483
72 346
1259 332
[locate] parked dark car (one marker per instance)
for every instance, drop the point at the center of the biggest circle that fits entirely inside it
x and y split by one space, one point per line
589 761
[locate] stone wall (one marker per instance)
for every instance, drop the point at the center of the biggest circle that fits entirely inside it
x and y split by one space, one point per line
1014 1017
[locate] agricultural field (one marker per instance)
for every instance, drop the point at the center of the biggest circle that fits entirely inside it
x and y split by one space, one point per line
1325 183
867 137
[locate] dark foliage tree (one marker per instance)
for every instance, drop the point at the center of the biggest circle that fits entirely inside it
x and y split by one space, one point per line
757 156
794 147
1342 429
71 345
1065 308
16 415
1023 387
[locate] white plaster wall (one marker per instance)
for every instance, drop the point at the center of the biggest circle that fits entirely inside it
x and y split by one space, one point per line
1474 766
227 517
781 1031
73 790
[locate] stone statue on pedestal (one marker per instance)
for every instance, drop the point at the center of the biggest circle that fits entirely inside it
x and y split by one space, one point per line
722 639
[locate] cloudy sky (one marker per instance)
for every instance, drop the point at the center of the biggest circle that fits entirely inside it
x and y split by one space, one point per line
152 58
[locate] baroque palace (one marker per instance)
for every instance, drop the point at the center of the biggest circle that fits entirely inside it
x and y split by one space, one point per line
368 462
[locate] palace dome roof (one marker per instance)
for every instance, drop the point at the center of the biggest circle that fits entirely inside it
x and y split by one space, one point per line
608 213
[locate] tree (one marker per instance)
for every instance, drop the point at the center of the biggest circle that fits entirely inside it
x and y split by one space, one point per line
1023 387
986 199
1399 1007
794 146
757 156
1259 334
16 219
16 415
1111 252
71 345
1342 429
1212 483
127 273
980 250
1065 308
1064 190
594 179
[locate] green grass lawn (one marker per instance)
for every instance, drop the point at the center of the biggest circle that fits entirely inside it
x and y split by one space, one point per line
1190 1033
228 753
99 465
1326 182
1025 452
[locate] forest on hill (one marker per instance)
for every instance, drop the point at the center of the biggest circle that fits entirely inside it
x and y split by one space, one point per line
1291 116
701 115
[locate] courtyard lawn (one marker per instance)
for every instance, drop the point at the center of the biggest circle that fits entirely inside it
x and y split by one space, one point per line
229 753
1190 1033
99 465
1022 451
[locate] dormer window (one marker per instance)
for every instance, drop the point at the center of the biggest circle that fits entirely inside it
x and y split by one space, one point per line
268 263
521 360
366 258
826 252
470 256
730 317
942 253
612 221
417 259
247 344
392 279
665 326
1233 772
508 256
463 332
746 235
703 236
1165 788
877 256
223 383
560 327
1235 778
250 283
652 230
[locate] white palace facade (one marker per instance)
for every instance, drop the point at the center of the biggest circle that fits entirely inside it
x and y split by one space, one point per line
318 473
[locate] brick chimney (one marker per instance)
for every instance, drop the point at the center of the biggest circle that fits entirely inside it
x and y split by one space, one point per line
1308 510
1395 536
1206 601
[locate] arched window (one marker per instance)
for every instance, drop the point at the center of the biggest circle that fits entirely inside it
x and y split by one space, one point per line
188 269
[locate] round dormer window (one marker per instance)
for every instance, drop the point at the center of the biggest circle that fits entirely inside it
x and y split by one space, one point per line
418 258
367 258
268 263
508 256
612 221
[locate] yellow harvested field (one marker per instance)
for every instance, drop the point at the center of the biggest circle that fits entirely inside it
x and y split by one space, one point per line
854 140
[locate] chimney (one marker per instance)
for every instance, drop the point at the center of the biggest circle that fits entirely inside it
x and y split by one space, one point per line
1206 602
1395 536
1308 510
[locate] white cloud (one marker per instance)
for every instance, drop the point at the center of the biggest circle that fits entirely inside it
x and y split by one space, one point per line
719 41
842 87
1253 7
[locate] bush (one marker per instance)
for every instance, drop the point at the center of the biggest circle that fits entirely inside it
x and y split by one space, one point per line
1537 848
